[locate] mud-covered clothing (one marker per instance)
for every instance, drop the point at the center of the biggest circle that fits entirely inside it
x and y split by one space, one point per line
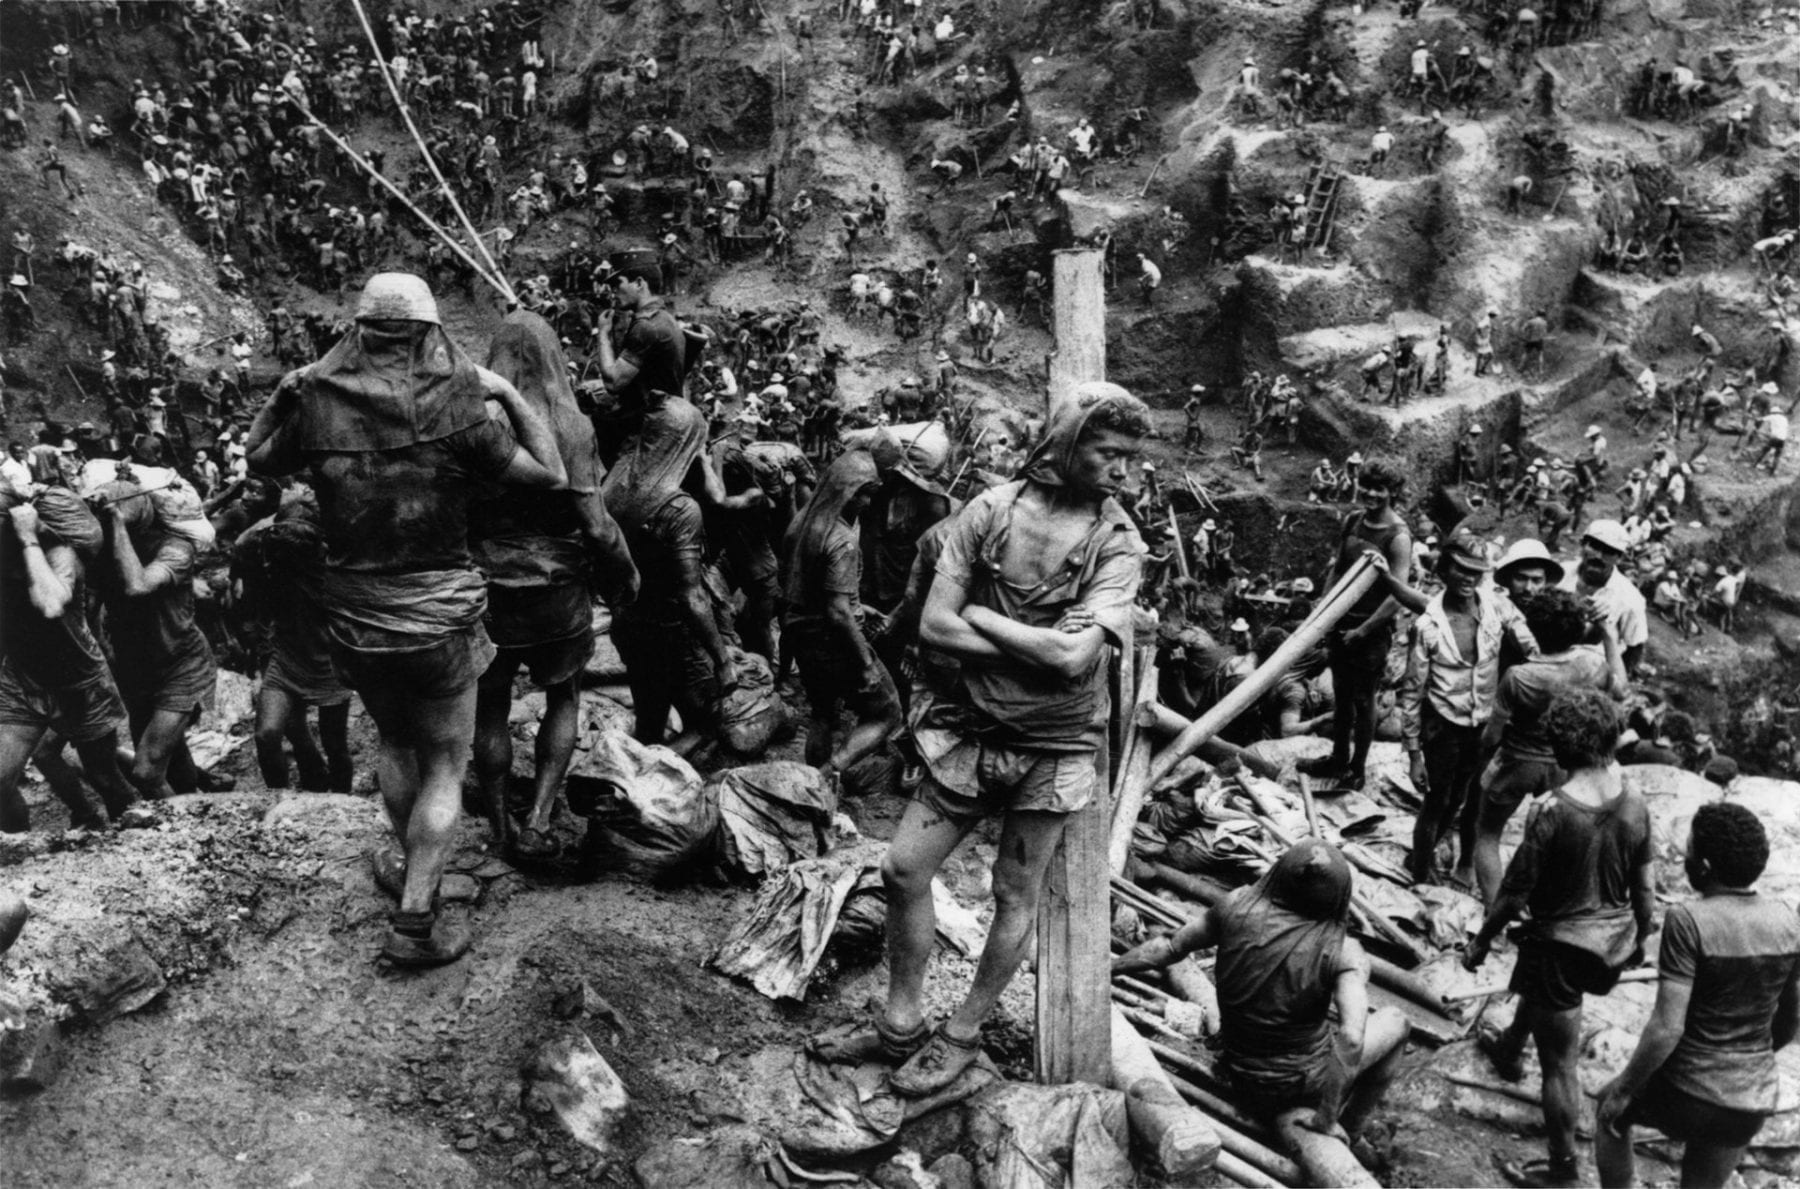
48 654
673 535
529 544
891 527
1526 691
160 657
1739 951
1012 702
655 344
1574 869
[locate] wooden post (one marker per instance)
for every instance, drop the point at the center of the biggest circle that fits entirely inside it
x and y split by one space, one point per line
1080 323
1179 1139
1074 954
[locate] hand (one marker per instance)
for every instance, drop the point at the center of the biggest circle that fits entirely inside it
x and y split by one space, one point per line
1354 635
1612 1103
24 521
1476 954
1378 560
1322 1123
1075 620
603 325
1416 770
729 676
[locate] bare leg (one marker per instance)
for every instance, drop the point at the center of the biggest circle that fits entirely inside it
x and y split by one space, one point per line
555 748
1707 1166
866 738
334 733
309 761
494 751
1384 1042
1027 841
156 746
441 729
924 839
100 761
17 742
274 707
1616 1163
1558 1036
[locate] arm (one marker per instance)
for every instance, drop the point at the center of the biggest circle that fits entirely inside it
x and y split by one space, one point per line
1412 697
1668 1019
616 372
1063 653
751 497
1787 1012
535 462
1170 948
137 579
615 572
696 608
1617 682
1643 902
1350 994
259 444
1515 894
943 627
841 615
49 574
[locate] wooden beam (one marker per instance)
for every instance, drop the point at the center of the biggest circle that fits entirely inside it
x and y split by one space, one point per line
1079 323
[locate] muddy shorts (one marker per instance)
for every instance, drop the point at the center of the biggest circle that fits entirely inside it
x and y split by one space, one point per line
973 779
1555 976
185 683
551 663
1508 782
305 683
1681 1116
80 713
832 679
664 662
1267 1087
441 670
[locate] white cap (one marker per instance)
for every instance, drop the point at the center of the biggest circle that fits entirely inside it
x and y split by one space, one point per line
399 296
1608 533
1593 431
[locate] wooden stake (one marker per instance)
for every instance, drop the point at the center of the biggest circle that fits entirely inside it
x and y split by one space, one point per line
1181 1140
1080 323
1167 724
1134 778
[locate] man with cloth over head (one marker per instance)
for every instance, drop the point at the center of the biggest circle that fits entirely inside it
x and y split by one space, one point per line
392 428
1036 578
1285 959
545 554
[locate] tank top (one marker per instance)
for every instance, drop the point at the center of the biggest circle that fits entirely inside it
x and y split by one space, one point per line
1357 538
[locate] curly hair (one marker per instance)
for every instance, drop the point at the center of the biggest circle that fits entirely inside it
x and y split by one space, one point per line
1582 728
1732 841
1120 414
1557 619
1384 473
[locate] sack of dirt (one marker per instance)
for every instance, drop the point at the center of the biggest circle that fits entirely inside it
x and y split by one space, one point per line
753 715
660 818
771 815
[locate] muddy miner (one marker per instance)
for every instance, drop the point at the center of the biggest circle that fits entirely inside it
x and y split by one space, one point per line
904 593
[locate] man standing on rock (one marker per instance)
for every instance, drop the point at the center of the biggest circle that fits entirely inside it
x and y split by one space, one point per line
393 431
1036 578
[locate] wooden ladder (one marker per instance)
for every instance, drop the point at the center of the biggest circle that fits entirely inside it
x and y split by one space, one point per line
1321 203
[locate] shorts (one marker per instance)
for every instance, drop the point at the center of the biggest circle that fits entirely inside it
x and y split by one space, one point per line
1366 658
1510 781
832 679
551 663
1269 1087
303 682
440 670
80 713
974 779
184 684
1681 1116
1555 976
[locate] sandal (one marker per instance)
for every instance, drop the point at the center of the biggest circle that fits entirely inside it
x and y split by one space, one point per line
879 1041
1507 1062
1541 1174
935 1066
389 869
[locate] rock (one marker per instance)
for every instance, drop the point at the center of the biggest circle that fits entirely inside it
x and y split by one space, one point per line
582 1000
119 982
954 1171
13 914
728 1158
30 1057
468 1143
569 1077
904 1171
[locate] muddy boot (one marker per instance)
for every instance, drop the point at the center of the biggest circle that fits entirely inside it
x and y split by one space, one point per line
421 939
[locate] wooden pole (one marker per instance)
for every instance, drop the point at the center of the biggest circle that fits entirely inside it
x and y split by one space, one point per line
1181 557
1133 785
1179 1139
1167 724
1074 990
1080 323
1357 579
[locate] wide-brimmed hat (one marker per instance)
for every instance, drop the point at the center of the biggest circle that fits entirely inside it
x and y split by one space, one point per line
1530 551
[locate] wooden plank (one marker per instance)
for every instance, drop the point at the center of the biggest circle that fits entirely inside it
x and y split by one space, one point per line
1078 321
